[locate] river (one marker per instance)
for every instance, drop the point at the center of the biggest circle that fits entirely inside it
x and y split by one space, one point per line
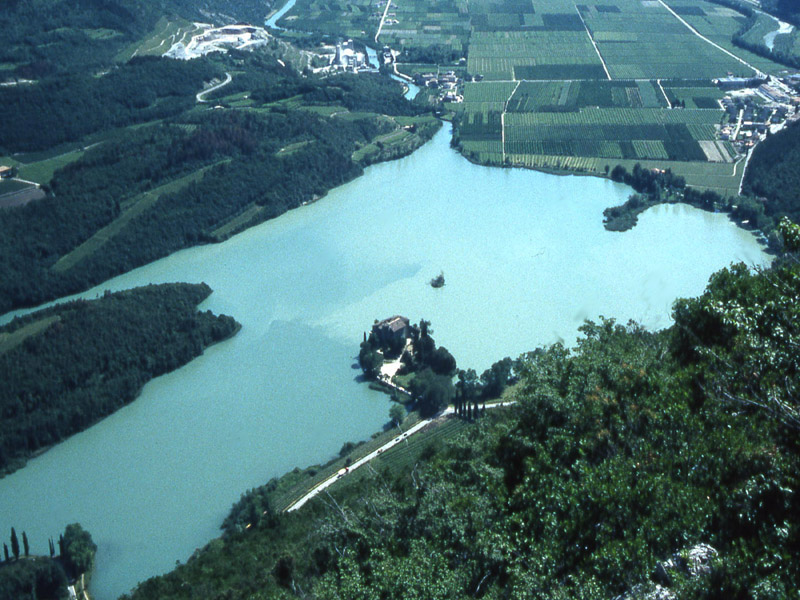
272 22
769 39
525 258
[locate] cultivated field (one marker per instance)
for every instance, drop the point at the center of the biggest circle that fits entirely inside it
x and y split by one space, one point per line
719 24
586 86
574 85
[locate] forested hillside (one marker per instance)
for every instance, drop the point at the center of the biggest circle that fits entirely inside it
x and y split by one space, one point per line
66 109
196 179
628 451
192 174
64 368
772 174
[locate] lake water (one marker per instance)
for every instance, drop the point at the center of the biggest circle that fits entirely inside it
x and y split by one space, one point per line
525 258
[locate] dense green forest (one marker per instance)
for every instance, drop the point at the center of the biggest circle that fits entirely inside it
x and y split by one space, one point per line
772 174
46 578
66 109
787 10
40 38
65 367
620 457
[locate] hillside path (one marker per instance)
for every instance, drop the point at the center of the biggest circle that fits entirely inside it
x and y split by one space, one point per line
201 95
322 486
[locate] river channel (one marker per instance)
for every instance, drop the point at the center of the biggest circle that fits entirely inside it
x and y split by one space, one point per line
525 258
783 29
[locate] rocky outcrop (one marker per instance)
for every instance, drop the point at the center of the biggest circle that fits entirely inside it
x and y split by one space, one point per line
694 562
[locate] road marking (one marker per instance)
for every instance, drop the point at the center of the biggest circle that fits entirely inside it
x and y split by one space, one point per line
380 25
375 453
591 39
705 39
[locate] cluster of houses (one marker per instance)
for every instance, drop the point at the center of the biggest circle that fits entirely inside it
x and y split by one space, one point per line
756 106
447 83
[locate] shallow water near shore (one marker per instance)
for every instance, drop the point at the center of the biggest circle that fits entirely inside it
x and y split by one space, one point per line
525 259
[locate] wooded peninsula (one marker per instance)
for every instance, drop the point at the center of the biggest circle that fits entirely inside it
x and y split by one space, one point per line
66 367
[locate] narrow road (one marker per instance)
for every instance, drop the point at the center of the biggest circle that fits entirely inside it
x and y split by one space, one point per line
26 181
201 95
661 87
591 39
503 122
320 487
380 25
705 39
744 169
738 125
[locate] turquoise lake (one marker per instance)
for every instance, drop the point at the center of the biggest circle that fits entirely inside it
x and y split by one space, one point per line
526 260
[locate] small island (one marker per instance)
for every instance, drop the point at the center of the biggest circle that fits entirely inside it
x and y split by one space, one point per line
438 281
404 360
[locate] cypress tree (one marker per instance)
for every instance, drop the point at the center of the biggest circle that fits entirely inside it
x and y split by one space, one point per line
14 544
5 551
52 548
25 543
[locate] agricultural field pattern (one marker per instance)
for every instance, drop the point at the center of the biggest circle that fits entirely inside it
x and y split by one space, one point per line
573 85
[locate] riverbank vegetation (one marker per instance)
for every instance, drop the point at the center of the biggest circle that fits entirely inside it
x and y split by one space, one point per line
770 190
619 454
64 368
47 578
656 186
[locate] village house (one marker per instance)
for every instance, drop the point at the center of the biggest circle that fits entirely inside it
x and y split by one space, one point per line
6 172
392 331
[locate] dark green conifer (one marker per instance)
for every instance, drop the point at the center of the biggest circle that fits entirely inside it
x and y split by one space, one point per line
14 543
